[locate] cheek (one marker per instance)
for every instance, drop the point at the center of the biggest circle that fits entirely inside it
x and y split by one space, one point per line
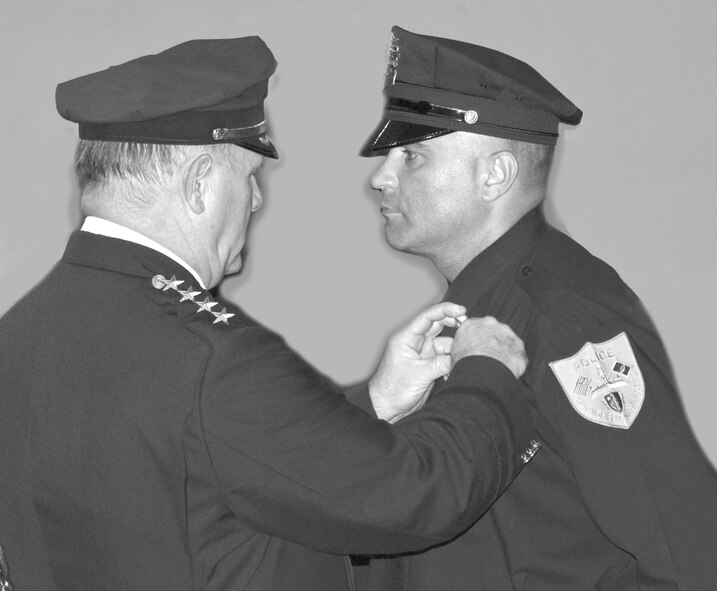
427 195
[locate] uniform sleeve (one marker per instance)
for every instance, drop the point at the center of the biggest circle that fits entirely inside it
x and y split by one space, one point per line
296 460
359 396
645 482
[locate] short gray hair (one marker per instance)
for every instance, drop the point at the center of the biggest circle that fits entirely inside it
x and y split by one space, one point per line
100 162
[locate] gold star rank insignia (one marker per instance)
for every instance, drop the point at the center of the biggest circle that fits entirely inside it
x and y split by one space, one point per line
159 282
172 283
222 316
206 305
188 294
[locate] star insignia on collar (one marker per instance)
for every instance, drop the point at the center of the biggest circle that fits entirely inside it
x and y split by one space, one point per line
222 316
159 282
206 305
173 283
188 294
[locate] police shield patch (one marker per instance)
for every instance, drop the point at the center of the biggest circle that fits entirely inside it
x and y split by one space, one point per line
603 382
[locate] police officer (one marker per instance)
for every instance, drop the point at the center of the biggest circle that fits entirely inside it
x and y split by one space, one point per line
153 436
621 496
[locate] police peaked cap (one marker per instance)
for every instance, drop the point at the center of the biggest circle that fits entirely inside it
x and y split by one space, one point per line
206 91
434 86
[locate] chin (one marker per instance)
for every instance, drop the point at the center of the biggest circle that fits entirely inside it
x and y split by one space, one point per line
395 240
233 266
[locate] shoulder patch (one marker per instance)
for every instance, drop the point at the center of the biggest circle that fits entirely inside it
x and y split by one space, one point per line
603 382
206 305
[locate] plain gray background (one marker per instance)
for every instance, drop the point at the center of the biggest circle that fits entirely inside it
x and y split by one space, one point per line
634 183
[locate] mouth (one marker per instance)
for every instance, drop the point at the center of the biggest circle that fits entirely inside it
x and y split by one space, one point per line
386 210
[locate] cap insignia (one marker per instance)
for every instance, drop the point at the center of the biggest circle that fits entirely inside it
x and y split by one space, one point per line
392 55
161 283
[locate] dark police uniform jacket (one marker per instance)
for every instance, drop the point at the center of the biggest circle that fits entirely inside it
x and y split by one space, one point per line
602 507
152 440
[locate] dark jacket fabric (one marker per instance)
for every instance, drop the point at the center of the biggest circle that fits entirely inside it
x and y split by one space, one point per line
602 507
152 438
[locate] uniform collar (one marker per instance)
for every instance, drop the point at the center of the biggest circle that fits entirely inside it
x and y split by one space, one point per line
87 249
104 227
485 269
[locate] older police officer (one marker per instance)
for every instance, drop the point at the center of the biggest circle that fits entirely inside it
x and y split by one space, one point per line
621 497
154 437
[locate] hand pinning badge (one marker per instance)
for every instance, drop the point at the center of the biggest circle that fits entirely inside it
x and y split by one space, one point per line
206 305
603 382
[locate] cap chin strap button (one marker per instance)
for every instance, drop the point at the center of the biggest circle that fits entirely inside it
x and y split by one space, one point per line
470 117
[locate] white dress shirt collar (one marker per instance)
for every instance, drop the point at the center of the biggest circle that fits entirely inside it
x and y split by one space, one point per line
103 227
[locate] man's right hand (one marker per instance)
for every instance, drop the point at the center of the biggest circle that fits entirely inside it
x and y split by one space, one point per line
486 336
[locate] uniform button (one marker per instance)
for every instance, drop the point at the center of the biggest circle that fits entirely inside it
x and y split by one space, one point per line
527 271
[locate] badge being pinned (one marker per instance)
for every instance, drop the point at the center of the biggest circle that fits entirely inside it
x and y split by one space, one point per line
603 382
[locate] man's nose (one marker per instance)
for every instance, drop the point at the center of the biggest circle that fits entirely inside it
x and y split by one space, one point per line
384 177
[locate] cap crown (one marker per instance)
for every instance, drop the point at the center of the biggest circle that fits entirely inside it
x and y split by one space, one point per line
464 68
193 93
434 86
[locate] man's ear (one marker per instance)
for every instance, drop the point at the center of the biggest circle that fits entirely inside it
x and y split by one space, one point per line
502 172
196 183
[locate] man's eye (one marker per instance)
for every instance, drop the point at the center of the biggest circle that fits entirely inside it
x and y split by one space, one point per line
410 156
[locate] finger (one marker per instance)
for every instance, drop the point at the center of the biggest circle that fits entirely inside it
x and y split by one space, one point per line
423 323
437 327
451 321
443 345
437 346
441 366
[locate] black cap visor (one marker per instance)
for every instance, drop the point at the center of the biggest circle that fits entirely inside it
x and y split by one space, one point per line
391 134
261 144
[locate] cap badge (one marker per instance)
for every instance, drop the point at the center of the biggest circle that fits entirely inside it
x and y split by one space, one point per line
603 382
4 581
392 55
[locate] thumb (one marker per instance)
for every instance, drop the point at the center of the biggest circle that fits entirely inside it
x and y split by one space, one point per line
440 365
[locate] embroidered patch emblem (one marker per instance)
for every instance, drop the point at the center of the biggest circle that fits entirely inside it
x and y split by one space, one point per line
603 382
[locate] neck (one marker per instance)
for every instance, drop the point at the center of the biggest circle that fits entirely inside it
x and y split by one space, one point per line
165 227
452 260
